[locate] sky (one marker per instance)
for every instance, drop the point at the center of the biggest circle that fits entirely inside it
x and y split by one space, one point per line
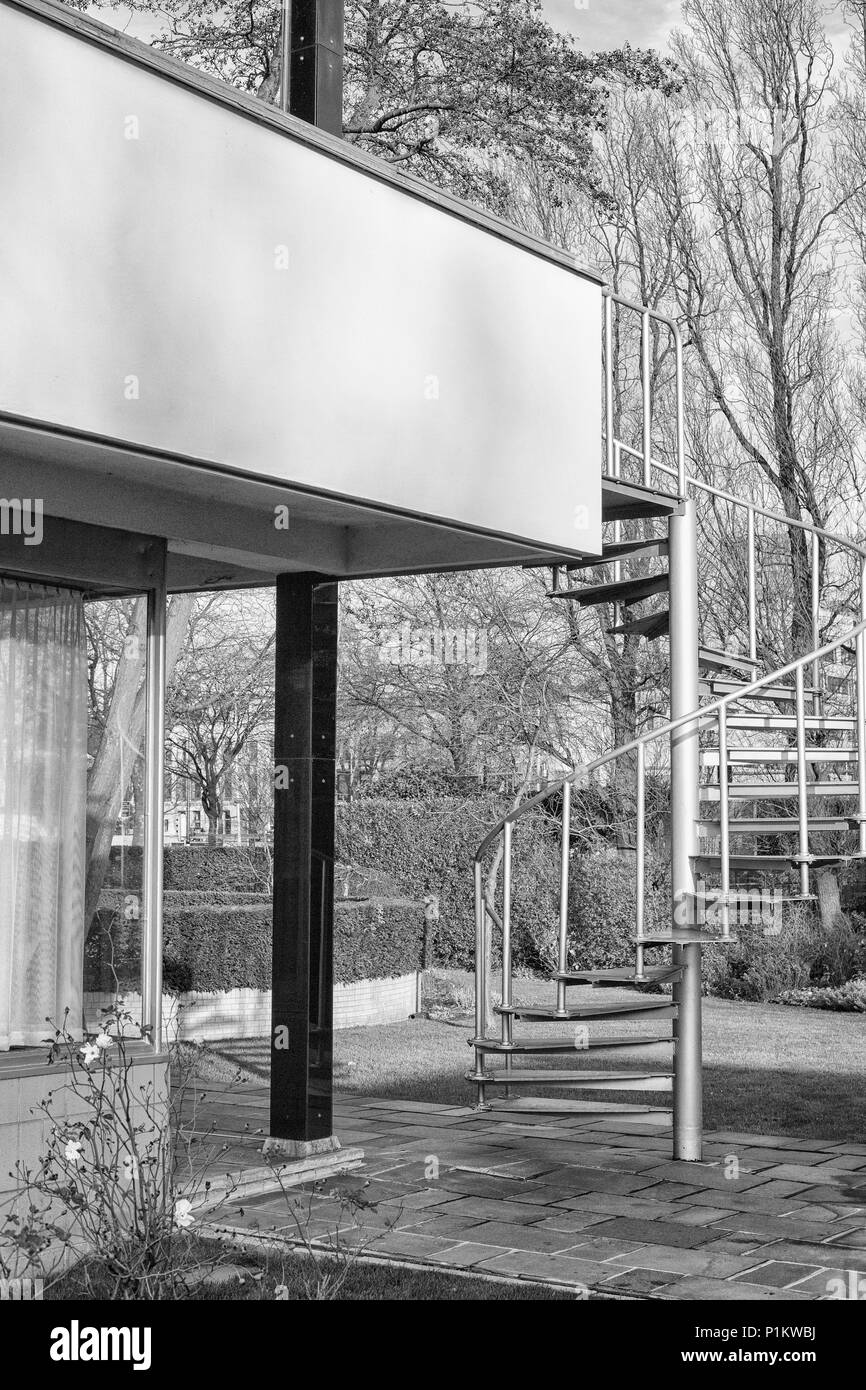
596 24
611 23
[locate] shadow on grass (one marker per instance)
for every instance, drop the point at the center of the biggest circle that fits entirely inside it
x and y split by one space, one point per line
426 1062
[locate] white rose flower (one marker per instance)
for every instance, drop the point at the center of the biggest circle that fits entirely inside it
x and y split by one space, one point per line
183 1216
89 1053
128 1169
73 1152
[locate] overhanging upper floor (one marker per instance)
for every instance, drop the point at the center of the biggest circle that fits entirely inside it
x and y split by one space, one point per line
211 311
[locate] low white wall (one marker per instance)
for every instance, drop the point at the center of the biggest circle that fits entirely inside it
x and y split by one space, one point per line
246 1013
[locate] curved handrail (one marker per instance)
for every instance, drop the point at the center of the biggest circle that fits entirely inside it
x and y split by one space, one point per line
695 719
696 716
756 507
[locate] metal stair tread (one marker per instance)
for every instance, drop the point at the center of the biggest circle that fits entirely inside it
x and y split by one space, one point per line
755 719
758 862
526 1046
773 825
682 936
720 685
712 896
720 654
547 1105
710 756
651 626
623 591
652 975
553 1077
630 502
576 1012
654 547
775 791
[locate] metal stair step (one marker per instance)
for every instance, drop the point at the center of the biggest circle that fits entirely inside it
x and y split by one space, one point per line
710 863
716 660
630 502
772 825
710 756
682 936
715 897
654 974
589 1080
527 1047
623 550
654 625
620 591
775 791
720 685
779 723
632 1008
543 1105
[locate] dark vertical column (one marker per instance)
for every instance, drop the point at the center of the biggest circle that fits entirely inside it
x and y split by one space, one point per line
304 784
313 49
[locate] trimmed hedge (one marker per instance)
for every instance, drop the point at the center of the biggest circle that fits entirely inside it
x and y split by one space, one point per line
428 847
378 939
215 947
195 868
220 941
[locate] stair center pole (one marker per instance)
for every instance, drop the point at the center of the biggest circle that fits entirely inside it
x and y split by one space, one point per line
688 1097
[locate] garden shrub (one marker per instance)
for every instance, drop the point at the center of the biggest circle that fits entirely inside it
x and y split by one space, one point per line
603 903
802 955
847 998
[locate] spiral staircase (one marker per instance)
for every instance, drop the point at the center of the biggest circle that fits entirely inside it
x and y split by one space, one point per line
767 781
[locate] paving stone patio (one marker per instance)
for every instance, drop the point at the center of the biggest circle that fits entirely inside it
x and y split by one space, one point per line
594 1205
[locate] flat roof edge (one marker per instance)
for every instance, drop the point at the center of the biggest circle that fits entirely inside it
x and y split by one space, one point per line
134 51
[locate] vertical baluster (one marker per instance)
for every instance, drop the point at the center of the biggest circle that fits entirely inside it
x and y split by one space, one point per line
681 415
753 598
608 384
816 619
640 855
506 931
860 669
617 534
647 399
724 822
802 802
480 975
563 899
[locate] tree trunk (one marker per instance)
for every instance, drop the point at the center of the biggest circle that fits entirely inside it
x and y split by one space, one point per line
122 741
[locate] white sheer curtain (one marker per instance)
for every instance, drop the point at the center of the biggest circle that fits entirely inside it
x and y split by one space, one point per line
43 792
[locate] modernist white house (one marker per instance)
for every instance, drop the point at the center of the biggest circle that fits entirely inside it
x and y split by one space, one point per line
236 352
233 352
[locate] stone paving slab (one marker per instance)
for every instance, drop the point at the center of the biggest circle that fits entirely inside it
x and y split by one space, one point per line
658 1232
554 1268
588 1204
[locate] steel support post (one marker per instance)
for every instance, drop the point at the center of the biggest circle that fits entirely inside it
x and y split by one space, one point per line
684 815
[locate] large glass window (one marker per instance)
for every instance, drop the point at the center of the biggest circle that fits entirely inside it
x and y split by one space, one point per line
73 715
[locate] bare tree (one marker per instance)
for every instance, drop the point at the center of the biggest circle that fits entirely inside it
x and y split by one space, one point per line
222 694
753 228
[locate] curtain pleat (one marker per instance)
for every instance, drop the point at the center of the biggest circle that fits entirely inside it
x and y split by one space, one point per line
43 795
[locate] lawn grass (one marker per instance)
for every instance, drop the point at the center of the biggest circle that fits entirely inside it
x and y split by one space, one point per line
250 1277
768 1068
